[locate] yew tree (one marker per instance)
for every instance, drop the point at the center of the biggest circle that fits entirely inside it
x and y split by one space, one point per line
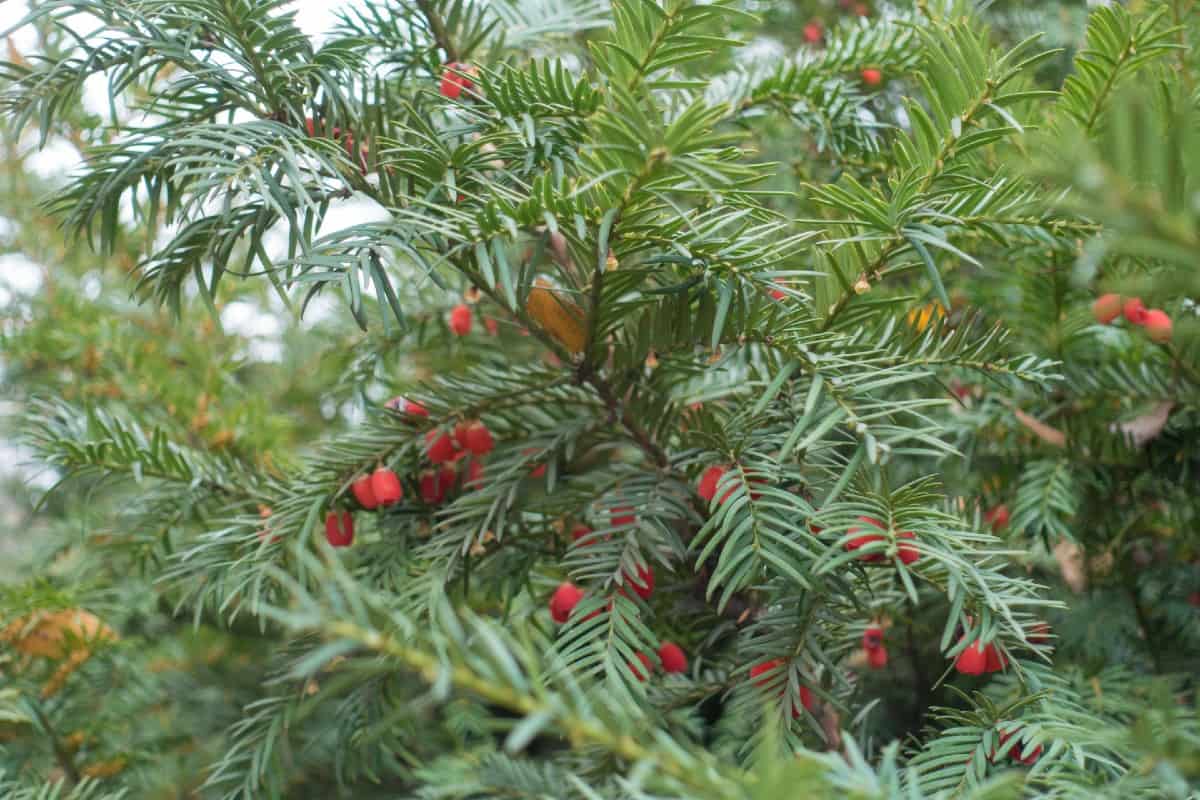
565 399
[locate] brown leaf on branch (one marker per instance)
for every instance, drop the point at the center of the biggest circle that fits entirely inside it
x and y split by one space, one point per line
831 725
68 636
56 634
1139 431
1043 431
1070 563
561 318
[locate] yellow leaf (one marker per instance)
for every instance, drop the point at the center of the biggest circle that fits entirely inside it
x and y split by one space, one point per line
920 318
105 769
560 317
56 634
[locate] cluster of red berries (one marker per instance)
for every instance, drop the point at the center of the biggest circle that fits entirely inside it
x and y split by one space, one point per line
1154 321
382 488
567 596
710 481
877 654
445 450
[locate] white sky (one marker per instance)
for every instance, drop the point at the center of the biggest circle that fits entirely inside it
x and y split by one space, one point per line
18 275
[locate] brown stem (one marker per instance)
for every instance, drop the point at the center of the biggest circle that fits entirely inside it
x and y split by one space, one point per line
60 753
588 375
437 27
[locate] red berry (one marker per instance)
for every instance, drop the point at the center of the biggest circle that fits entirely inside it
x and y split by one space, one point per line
535 470
812 32
866 539
672 657
385 485
1135 311
877 657
477 438
1004 736
972 661
872 637
872 77
579 532
647 664
995 659
404 406
624 519
806 700
707 487
1158 325
492 326
455 79
310 125
1039 632
435 485
764 667
460 434
474 473
460 320
644 583
339 528
428 485
1194 599
1107 308
361 489
778 294
997 517
907 553
440 447
447 476
1028 760
563 601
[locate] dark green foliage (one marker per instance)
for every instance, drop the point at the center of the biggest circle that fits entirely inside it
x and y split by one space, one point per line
867 300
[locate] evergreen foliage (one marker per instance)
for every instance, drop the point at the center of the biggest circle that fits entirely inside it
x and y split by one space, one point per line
846 253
